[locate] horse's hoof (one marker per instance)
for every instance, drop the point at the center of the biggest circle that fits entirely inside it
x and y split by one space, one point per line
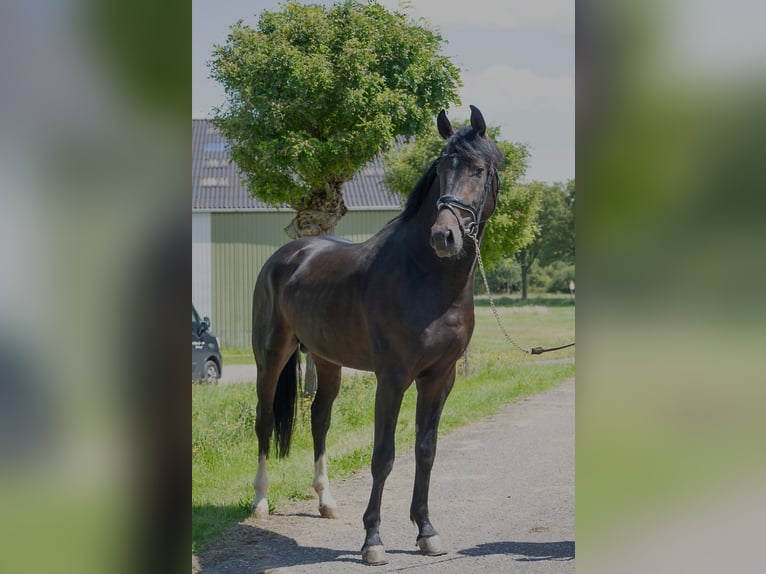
431 546
374 555
328 511
261 509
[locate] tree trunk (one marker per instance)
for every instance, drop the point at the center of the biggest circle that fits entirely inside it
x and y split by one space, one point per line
465 362
524 272
525 262
318 215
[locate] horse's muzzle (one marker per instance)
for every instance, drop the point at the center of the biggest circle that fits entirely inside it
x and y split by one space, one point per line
445 241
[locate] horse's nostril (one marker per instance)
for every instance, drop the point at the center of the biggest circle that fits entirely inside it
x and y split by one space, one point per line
443 240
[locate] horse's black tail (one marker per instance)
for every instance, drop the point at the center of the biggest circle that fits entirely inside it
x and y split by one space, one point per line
284 405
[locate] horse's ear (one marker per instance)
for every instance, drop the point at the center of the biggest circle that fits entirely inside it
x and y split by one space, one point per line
444 125
477 121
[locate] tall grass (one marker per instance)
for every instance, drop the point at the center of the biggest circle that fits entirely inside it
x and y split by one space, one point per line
224 447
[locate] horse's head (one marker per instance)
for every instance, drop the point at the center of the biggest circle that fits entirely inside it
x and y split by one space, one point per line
468 183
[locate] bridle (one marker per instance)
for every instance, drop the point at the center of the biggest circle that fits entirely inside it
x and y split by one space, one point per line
452 203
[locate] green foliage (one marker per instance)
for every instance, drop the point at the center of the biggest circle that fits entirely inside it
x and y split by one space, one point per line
555 236
512 225
314 93
503 277
555 229
557 224
553 278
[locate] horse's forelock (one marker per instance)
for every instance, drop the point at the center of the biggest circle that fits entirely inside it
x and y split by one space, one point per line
470 145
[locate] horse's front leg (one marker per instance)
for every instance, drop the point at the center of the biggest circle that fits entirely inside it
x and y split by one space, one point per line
433 390
388 401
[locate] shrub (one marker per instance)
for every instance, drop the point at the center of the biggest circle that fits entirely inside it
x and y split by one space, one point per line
553 278
503 277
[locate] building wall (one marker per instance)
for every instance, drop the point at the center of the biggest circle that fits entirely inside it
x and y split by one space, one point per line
202 294
241 243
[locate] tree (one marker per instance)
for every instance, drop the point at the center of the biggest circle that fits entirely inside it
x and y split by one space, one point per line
511 226
555 232
314 93
503 277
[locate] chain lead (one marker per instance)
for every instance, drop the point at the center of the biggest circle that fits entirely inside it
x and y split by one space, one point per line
489 294
533 350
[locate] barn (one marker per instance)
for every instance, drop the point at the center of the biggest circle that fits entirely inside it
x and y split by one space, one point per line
233 233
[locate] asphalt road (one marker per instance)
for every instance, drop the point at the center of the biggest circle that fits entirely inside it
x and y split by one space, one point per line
502 499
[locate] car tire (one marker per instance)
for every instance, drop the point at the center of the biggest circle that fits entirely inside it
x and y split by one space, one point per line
210 372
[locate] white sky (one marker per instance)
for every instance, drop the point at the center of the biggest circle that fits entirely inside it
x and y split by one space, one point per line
516 59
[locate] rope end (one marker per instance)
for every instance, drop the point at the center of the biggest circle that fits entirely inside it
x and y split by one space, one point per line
536 350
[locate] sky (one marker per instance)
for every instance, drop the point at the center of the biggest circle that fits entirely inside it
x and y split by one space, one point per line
516 58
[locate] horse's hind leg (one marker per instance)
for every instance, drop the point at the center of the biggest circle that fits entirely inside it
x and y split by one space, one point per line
328 377
270 364
433 390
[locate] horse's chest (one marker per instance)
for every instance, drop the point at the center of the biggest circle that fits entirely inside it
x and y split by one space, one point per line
450 331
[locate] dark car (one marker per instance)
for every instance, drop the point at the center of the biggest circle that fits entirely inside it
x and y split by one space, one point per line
206 350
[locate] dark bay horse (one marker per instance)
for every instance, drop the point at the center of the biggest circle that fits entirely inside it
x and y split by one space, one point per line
399 304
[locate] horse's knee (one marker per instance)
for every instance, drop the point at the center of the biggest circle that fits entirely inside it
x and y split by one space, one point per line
425 452
382 462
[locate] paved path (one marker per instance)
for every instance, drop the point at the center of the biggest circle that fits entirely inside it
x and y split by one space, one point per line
502 499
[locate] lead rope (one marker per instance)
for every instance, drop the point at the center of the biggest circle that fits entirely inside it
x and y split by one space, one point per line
531 351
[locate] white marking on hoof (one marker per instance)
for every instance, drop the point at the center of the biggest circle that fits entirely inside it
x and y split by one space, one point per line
328 511
374 555
431 546
260 508
328 508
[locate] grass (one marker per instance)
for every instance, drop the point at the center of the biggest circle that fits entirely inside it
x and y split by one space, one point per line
237 356
515 300
224 448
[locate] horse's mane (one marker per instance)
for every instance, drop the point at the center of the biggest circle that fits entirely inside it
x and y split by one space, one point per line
419 193
464 143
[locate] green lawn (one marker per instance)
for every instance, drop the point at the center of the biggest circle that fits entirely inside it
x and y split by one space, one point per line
224 447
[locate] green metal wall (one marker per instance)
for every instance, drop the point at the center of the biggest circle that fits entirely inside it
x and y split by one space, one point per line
241 243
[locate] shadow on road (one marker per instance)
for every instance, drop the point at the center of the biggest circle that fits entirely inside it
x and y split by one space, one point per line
527 551
249 548
246 547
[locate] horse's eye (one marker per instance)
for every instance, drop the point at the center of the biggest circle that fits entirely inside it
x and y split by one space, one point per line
478 171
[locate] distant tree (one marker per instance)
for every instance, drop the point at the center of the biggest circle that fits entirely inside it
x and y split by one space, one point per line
557 225
555 232
313 93
504 276
513 224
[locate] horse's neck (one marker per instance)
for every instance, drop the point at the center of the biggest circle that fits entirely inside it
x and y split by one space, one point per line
455 275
